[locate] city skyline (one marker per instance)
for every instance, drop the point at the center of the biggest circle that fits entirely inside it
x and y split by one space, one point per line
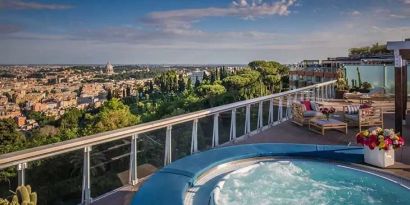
192 32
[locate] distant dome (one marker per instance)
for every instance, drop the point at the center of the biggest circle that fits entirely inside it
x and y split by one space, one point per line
109 69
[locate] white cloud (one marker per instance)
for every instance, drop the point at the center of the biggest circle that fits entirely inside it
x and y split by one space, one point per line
20 4
180 21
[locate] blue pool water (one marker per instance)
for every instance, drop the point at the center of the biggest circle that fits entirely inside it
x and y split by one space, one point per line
306 182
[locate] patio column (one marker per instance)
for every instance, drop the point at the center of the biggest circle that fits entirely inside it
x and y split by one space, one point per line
398 86
401 55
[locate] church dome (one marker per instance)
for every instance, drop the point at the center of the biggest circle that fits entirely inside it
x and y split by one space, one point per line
109 69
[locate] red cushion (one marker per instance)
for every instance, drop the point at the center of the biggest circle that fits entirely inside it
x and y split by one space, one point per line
365 106
307 105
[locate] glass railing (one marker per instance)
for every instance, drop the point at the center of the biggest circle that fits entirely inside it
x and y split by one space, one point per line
87 168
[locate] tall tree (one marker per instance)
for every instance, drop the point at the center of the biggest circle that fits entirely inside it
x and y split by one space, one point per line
205 76
181 83
10 138
113 115
197 82
109 94
189 84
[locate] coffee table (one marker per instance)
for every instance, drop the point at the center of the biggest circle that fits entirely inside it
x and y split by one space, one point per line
319 125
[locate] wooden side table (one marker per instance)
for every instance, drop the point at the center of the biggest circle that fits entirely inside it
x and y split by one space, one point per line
319 125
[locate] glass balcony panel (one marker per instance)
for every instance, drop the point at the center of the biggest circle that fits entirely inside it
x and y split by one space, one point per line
205 130
58 179
181 140
240 121
224 126
109 166
254 116
8 182
265 112
151 150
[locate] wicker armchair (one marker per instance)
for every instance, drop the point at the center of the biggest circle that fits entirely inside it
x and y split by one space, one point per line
300 116
366 117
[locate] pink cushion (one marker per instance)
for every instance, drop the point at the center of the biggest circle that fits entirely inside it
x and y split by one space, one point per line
307 105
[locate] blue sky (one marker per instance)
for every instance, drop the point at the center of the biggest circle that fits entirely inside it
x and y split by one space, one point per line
194 31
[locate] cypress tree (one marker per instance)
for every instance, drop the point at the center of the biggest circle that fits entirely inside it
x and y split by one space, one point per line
197 83
189 84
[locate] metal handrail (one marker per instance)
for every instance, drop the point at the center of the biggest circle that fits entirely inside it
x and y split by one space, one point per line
32 154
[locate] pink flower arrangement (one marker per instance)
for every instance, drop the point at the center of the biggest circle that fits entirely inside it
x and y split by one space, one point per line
384 139
327 111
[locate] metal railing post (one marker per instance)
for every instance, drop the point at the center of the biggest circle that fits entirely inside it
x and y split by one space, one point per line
247 119
168 146
21 173
280 110
288 110
133 180
215 135
260 115
270 119
322 93
232 132
86 192
194 139
314 94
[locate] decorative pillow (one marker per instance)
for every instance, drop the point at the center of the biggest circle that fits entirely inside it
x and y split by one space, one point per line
353 109
307 105
314 106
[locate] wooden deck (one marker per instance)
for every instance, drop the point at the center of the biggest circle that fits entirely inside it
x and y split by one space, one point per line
288 132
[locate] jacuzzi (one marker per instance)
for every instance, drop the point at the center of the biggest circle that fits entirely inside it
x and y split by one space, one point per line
273 174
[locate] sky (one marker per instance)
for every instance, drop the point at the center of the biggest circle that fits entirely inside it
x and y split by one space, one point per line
193 31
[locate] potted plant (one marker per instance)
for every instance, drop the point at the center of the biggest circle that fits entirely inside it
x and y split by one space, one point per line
379 145
341 84
366 86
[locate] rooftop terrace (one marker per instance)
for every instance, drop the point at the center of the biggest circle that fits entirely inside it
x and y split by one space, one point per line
108 168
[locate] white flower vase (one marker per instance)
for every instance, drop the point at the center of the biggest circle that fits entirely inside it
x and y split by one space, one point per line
379 158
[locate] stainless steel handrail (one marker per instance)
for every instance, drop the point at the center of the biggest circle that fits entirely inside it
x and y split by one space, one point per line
32 154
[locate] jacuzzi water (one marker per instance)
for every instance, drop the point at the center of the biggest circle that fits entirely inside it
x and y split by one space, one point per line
306 182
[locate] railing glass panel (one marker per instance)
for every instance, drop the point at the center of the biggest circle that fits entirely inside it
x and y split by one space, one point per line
224 126
57 180
265 112
151 151
205 130
254 116
109 166
8 182
240 121
181 140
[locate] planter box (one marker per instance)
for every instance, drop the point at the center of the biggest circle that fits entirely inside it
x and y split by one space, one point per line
379 158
